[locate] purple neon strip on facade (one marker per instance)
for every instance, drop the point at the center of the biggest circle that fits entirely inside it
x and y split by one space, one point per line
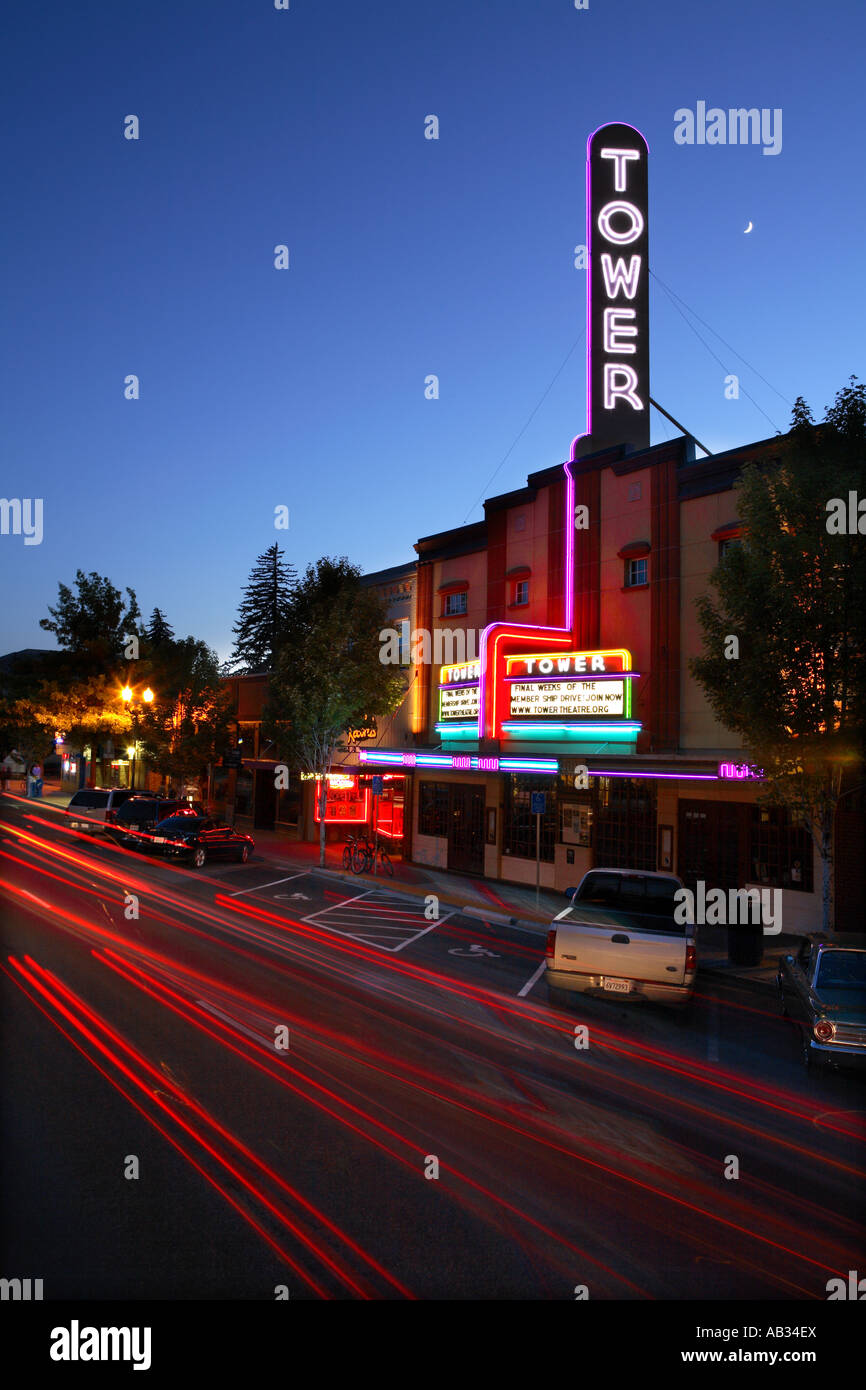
674 776
599 676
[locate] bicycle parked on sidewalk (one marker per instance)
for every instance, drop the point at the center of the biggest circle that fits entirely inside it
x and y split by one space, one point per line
356 852
359 855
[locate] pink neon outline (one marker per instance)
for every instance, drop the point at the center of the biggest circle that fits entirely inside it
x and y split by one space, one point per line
676 776
570 542
588 432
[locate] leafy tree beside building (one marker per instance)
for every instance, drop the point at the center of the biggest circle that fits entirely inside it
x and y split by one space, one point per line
792 596
186 725
94 621
328 674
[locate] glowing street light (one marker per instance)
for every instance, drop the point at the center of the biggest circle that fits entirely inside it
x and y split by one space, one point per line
128 697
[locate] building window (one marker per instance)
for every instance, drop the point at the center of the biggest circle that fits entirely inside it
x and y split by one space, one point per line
625 823
635 573
518 822
781 849
521 591
455 604
433 808
728 544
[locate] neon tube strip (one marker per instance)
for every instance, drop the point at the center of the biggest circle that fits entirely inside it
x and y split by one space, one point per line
673 776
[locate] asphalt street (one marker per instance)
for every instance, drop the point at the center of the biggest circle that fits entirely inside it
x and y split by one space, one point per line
220 1082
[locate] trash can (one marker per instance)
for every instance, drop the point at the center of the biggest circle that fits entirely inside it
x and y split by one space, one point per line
746 943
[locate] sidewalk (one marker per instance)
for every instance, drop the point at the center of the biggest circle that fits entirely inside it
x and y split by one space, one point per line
506 904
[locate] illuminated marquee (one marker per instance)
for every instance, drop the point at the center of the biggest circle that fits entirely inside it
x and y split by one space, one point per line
461 702
618 298
459 693
574 685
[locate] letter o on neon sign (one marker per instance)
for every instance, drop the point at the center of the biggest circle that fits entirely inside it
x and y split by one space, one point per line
629 210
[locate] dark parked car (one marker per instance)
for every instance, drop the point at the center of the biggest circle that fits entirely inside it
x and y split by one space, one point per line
198 839
823 990
138 817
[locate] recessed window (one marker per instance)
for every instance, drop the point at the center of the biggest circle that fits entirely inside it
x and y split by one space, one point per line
455 604
521 591
635 573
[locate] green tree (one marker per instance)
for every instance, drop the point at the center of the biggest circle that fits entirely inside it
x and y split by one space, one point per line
87 710
794 595
328 673
185 727
263 611
95 621
158 630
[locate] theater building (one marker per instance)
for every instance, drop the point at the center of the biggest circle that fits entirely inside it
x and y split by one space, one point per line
550 722
576 600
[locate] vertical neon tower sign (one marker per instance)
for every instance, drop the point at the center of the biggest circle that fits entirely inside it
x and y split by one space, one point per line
617 328
617 366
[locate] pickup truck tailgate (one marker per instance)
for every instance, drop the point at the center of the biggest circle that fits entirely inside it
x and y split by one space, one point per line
600 942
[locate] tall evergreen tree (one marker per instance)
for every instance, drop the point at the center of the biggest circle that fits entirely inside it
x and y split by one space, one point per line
159 631
263 611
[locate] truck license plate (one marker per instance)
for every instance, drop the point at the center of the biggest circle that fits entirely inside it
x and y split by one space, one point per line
618 986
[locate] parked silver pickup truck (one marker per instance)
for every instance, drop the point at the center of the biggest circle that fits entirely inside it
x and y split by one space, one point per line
620 937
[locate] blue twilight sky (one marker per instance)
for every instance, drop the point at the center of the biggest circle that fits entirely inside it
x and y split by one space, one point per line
408 257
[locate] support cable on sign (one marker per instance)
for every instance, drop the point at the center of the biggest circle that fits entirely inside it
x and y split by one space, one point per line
673 298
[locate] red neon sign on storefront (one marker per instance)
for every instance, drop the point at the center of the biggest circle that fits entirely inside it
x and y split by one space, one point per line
346 801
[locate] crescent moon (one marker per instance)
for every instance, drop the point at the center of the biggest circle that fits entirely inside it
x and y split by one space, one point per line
749 228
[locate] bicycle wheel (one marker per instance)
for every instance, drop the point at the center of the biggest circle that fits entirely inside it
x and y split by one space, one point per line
359 859
347 856
385 863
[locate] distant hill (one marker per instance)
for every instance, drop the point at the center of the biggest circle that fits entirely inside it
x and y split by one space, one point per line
27 656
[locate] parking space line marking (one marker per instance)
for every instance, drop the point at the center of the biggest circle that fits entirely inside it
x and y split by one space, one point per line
396 920
531 981
259 886
227 1018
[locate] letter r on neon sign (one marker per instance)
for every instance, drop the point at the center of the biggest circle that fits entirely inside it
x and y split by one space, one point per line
619 384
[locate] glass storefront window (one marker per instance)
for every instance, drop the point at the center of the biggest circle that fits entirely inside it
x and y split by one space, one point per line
781 849
625 823
433 808
518 827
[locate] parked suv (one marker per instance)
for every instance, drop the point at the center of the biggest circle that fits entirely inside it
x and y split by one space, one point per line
137 817
92 808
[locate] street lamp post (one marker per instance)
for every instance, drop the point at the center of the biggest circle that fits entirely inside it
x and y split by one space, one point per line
129 698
